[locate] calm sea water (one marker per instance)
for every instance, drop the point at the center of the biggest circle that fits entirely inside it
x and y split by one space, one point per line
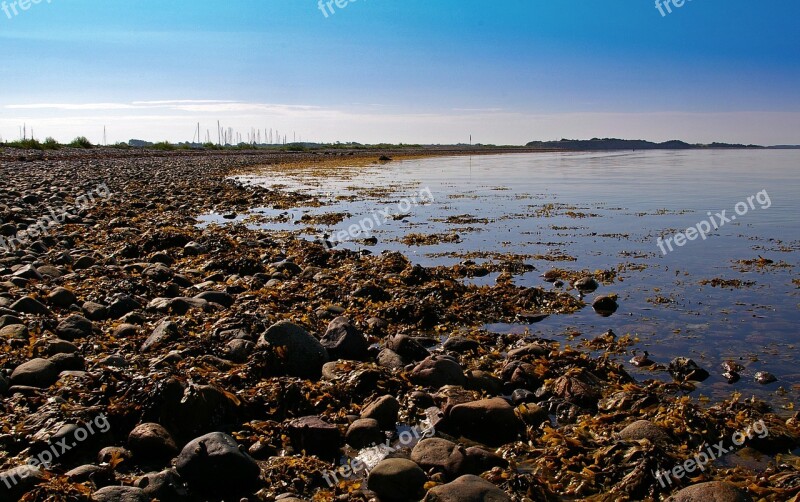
605 211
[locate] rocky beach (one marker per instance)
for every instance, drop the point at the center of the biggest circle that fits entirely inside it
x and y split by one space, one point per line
147 357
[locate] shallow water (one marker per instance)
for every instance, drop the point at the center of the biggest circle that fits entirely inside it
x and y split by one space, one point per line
604 211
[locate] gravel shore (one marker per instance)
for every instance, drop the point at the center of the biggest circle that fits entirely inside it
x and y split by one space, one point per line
144 357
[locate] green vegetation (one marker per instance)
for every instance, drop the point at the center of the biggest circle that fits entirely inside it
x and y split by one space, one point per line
163 145
81 142
50 144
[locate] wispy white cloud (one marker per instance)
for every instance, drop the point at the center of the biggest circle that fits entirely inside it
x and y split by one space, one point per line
183 102
479 110
72 106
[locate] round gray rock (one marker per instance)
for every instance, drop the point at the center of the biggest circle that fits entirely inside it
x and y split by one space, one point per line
214 463
151 440
384 410
397 479
441 455
35 373
438 371
344 341
296 352
363 433
74 326
644 429
120 494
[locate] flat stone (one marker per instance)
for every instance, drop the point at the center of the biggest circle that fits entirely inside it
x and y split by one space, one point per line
125 331
120 494
50 271
28 272
28 305
218 297
14 331
315 436
490 421
35 373
712 491
165 332
467 488
74 326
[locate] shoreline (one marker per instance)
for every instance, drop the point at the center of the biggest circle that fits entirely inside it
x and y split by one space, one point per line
179 326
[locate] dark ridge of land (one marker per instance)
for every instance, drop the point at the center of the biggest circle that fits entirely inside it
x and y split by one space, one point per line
628 144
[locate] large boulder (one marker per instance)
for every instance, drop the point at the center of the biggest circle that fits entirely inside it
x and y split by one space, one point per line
294 351
215 464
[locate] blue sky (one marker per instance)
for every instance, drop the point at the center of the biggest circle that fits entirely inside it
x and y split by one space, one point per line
412 71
